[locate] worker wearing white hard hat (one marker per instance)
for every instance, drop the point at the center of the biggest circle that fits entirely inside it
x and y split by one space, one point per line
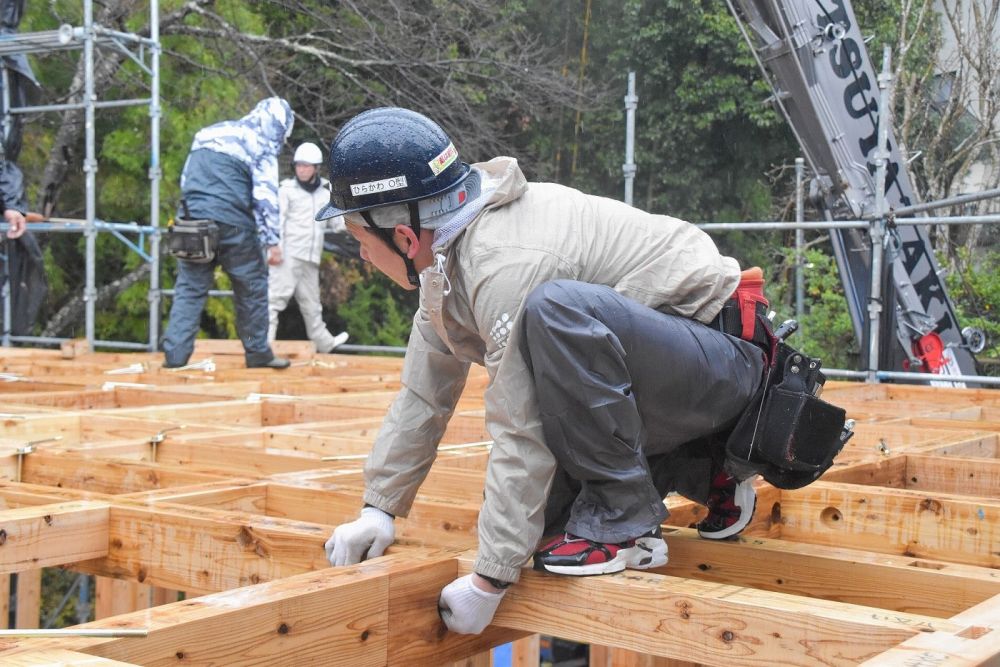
299 199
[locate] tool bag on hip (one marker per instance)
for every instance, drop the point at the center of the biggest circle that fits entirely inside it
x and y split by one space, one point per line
192 240
787 433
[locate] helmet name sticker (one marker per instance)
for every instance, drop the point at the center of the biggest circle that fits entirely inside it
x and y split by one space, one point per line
385 185
444 158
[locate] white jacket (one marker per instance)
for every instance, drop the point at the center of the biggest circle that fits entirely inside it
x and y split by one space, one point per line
301 234
470 304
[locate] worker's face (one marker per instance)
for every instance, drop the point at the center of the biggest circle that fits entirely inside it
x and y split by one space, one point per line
304 171
375 251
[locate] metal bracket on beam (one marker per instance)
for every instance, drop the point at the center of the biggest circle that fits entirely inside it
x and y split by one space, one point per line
160 437
28 448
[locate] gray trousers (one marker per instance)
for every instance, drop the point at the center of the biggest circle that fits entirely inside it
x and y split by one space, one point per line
242 258
630 399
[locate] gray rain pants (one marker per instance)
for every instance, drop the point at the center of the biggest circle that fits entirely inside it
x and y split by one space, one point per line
242 258
629 399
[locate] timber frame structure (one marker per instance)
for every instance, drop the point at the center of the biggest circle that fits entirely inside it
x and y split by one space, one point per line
223 483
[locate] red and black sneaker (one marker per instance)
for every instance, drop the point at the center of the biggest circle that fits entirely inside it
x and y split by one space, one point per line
650 551
730 507
569 554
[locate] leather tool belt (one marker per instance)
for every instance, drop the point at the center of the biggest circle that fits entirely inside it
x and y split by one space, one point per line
192 240
787 433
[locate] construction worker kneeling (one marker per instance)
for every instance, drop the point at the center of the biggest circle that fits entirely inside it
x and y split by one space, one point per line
613 379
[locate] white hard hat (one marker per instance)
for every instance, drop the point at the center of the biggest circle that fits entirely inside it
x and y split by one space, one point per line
309 153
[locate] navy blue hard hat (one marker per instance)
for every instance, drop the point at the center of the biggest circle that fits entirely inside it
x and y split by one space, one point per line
389 156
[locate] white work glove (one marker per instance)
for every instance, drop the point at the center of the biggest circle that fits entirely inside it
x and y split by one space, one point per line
465 608
365 537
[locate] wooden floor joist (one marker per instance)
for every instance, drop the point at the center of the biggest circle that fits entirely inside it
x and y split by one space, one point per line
201 500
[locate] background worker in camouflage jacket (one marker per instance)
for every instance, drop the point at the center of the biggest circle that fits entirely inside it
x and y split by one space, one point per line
231 178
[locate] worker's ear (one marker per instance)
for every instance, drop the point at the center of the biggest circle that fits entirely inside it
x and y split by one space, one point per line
412 240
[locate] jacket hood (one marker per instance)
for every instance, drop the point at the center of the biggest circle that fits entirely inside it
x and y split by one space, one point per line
272 119
502 183
504 176
260 133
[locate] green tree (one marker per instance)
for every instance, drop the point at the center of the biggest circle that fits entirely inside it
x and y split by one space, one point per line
378 311
451 60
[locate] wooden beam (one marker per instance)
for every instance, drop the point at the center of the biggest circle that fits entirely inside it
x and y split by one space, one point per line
919 586
352 616
888 472
29 599
484 659
119 425
957 423
430 522
106 476
160 596
14 495
328 616
4 601
202 551
297 349
277 412
606 656
118 596
230 495
526 652
977 644
417 634
708 622
46 535
953 474
938 526
57 657
231 413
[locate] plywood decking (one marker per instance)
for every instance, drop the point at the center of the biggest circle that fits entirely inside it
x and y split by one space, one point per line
201 500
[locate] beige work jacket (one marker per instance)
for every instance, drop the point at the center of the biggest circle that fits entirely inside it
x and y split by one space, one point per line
470 305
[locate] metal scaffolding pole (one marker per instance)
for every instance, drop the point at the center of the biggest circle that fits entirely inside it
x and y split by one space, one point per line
877 232
88 37
631 102
155 174
90 171
6 293
800 282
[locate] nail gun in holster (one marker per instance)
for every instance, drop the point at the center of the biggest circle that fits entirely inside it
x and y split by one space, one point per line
787 433
192 240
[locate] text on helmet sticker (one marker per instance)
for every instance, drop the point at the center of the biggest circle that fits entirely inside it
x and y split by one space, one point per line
371 187
444 158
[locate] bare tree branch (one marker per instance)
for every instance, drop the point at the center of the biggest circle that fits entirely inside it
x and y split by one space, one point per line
64 151
72 312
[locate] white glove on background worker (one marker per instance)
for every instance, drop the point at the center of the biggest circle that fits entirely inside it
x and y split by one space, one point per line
467 609
365 537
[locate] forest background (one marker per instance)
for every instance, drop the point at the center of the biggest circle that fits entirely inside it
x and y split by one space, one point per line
542 81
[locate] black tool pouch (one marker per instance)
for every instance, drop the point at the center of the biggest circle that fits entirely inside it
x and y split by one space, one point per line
787 433
193 240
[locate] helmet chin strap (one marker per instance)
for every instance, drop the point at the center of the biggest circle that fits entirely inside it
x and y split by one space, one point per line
385 234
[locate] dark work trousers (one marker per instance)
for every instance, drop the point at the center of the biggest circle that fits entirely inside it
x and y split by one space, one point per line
242 258
629 400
